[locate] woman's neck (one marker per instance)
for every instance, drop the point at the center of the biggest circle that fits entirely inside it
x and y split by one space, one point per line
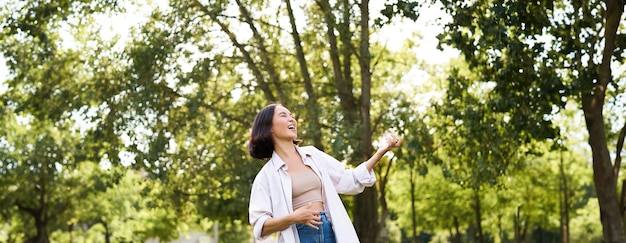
285 149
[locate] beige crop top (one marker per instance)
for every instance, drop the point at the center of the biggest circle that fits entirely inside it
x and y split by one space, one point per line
306 188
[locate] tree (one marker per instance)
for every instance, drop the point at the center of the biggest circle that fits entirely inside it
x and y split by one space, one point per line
430 211
121 205
49 89
540 53
531 73
480 145
35 158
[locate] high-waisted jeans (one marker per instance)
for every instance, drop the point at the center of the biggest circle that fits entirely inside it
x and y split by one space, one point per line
324 234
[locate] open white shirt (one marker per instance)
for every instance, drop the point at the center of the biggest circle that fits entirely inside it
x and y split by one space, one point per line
271 193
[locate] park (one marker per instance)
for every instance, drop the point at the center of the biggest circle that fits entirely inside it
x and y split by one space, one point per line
128 121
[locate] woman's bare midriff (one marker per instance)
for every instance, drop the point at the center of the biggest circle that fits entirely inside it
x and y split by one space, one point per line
317 206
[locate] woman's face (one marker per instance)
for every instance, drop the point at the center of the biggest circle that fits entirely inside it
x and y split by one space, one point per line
284 126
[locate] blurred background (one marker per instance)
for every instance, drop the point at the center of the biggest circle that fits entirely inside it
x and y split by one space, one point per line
127 121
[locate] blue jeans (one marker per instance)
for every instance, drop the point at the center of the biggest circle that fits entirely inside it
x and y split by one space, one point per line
324 234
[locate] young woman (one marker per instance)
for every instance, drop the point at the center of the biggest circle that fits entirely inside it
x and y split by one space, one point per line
296 191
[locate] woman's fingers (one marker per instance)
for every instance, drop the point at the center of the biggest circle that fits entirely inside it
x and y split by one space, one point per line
314 223
308 217
393 140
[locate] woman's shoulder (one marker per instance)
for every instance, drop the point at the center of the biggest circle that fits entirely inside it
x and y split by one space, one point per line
267 166
310 149
264 174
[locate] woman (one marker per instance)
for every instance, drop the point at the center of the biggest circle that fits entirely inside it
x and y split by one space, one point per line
296 191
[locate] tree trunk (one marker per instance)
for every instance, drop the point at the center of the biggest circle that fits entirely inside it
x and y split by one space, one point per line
413 211
618 162
520 226
311 101
384 209
604 176
366 204
107 232
501 233
367 218
343 86
70 230
516 226
39 212
622 202
42 232
457 228
478 215
366 215
564 203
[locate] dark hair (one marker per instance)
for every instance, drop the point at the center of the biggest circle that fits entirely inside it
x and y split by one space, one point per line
261 145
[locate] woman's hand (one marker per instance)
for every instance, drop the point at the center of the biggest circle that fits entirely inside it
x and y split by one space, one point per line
391 141
307 216
304 215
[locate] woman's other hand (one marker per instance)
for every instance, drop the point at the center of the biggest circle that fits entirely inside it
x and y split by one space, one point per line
307 216
391 141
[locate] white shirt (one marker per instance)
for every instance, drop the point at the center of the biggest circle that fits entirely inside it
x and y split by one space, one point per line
271 193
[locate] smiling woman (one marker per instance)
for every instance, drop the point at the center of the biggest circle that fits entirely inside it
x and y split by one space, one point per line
296 192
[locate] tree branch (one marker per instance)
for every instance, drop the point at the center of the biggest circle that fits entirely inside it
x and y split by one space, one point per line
270 68
246 55
29 210
311 102
618 151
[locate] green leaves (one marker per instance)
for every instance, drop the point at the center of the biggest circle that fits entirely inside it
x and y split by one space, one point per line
539 55
147 138
405 9
502 42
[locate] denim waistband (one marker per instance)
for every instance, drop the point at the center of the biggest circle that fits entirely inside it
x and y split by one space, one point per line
322 233
324 217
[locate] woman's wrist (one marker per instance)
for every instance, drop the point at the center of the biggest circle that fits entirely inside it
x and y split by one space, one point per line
382 151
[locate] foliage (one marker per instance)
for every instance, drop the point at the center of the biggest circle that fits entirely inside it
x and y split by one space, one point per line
525 194
585 226
538 55
481 145
125 141
36 157
122 206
